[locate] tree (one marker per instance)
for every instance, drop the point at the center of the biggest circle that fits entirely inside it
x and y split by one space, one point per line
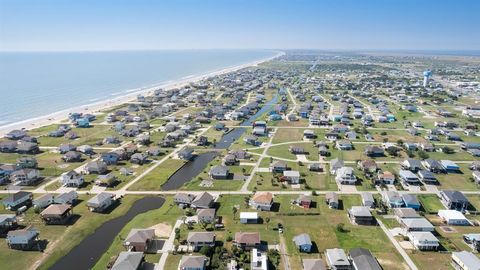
423 155
234 211
447 150
399 142
341 227
267 220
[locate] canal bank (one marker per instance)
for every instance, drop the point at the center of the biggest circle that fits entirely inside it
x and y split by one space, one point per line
194 167
86 254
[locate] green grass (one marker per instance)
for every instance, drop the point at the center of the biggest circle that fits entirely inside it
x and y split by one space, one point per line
430 203
156 178
168 213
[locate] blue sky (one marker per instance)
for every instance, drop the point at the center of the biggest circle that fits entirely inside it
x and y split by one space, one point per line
47 25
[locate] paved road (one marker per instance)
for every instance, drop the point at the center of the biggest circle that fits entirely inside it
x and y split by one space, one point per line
167 247
400 250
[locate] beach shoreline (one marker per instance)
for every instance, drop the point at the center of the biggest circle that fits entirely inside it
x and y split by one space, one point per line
96 107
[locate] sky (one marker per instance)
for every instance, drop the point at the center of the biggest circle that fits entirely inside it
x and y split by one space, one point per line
84 25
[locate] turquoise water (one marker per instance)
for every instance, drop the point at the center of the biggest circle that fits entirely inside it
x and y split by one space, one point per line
37 84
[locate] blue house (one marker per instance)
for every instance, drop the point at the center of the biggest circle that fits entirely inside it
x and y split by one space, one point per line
18 200
83 122
304 113
110 158
303 242
275 117
411 201
391 118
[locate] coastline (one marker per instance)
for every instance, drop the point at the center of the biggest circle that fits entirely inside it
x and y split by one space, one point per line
99 106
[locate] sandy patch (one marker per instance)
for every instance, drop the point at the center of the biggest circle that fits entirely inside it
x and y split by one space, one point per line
162 230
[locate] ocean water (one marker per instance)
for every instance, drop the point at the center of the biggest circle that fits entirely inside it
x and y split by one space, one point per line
35 84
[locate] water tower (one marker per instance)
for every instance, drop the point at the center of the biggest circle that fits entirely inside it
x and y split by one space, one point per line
426 76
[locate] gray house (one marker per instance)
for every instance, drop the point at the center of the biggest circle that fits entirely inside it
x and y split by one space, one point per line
100 202
219 172
24 239
363 259
454 200
17 200
337 259
204 200
129 260
198 240
190 262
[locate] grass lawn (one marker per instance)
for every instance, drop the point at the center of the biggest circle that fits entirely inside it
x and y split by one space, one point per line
282 151
172 262
86 136
156 178
63 238
168 214
431 204
457 181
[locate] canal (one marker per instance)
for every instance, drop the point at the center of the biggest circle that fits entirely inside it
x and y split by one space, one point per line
88 252
194 167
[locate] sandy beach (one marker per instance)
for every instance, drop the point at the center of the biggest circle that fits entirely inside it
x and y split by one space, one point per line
96 107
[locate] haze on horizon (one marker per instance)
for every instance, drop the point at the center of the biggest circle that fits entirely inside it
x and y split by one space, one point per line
68 25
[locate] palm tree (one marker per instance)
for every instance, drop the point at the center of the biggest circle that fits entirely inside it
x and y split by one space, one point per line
234 211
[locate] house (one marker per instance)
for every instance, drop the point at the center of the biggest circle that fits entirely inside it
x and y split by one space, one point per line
392 199
419 224
56 213
315 167
309 134
297 150
423 240
450 166
368 166
129 260
252 140
345 176
248 217
262 201
8 146
66 197
343 145
43 201
433 165
331 198
363 259
304 201
72 179
23 239
72 156
240 154
258 260
373 151
190 262
313 264
405 213
367 199
303 242
183 199
337 259
106 180
408 177
17 200
472 239
16 134
27 147
204 200
96 167
454 200
335 164
139 158
279 166
292 177
186 153
413 165
206 215
25 177
247 240
427 177
229 159
100 202
7 222
361 215
27 162
219 172
411 201
386 178
464 260
453 217
111 158
197 240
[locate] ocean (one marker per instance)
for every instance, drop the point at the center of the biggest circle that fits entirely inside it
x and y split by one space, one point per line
34 84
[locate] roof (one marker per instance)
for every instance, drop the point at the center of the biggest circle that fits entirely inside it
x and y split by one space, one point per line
467 259
291 173
249 215
263 197
455 196
423 236
410 199
367 197
406 212
247 237
451 214
56 209
337 257
209 212
206 237
203 200
192 262
17 196
360 211
100 198
363 259
139 236
302 239
127 260
313 264
420 222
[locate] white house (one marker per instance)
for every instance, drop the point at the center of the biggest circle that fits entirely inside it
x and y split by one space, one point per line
72 179
293 177
258 260
453 217
248 217
423 240
345 175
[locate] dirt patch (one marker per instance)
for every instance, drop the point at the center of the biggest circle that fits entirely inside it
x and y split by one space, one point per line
162 230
